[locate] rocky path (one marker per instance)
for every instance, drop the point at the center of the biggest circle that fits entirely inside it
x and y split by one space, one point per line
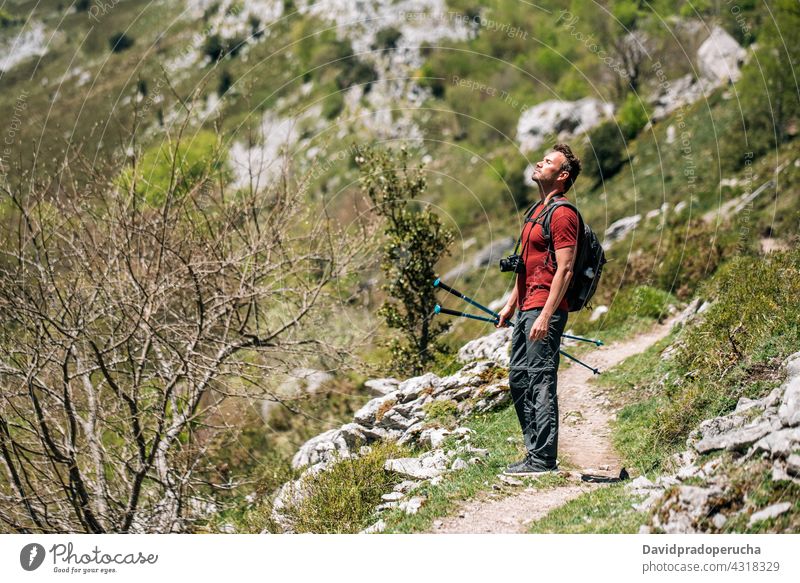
584 444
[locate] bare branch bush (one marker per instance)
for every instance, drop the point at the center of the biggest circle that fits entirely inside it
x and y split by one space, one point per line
124 325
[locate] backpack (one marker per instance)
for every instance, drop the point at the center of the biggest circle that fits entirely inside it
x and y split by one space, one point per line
589 258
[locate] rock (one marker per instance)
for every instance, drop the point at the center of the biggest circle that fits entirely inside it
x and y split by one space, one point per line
676 93
410 389
779 443
433 438
413 505
597 313
652 497
494 347
386 506
376 407
711 428
793 464
438 523
772 511
510 481
463 431
406 486
719 520
482 452
459 464
641 485
735 440
393 496
556 120
436 480
413 468
412 434
688 313
720 57
381 387
685 507
618 230
789 411
328 445
395 420
376 528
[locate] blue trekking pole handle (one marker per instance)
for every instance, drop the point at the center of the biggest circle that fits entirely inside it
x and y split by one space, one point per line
597 342
594 370
458 294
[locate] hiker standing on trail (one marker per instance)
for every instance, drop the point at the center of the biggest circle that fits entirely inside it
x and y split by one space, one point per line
539 294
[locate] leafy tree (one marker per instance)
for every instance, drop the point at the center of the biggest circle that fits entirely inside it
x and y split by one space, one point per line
415 241
768 91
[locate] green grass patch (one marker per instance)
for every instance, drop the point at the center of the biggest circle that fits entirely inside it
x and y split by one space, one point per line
606 510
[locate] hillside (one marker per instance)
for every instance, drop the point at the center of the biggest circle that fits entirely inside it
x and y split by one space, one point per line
248 116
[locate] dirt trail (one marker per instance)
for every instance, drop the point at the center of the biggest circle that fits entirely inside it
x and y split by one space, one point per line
584 442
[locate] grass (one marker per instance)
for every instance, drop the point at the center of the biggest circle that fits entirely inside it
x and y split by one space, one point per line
606 510
341 499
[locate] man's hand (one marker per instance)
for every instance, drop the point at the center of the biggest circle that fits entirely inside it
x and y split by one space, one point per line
540 326
505 315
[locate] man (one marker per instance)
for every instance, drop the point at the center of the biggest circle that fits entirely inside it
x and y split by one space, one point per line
539 294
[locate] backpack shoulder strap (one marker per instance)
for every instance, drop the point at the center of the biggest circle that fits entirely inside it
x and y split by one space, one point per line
547 219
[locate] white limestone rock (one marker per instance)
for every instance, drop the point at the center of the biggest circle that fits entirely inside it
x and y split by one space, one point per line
555 120
494 347
720 57
381 387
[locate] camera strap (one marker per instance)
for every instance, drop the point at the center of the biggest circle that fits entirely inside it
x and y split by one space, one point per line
528 218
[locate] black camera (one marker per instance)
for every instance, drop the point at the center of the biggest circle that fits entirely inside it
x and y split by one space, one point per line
512 263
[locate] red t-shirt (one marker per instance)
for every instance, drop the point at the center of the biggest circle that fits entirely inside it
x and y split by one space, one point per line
533 284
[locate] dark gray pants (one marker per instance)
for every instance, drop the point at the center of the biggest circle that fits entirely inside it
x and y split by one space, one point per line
533 377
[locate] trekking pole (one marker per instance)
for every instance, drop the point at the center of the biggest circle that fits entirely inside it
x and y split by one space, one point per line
440 310
597 342
458 294
594 370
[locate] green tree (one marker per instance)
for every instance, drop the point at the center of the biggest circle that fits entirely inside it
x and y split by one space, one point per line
415 241
768 90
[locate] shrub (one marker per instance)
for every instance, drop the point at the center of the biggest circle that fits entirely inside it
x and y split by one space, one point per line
606 152
120 41
386 38
632 116
342 498
415 240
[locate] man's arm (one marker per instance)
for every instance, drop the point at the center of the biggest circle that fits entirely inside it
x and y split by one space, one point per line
510 307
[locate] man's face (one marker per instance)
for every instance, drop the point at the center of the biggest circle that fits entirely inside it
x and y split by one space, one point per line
546 172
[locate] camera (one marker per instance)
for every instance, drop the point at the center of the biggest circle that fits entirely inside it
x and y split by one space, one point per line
511 263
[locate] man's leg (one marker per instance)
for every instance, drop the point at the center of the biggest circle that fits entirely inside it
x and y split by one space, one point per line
541 400
518 380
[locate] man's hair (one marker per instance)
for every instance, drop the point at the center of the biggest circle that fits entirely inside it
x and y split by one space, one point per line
572 164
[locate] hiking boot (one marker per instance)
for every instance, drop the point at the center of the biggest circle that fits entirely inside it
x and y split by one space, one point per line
530 467
514 465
